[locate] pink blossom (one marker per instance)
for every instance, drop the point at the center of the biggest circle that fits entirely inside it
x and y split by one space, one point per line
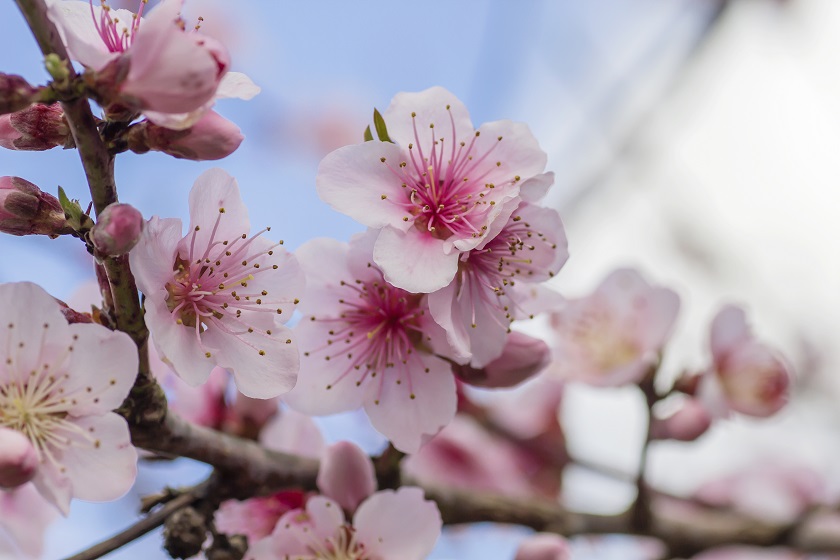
18 459
24 517
346 475
366 344
614 335
390 525
688 423
522 357
436 191
773 492
746 376
217 297
491 286
465 456
543 546
168 69
58 387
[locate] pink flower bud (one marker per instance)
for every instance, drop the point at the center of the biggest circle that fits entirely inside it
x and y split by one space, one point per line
523 357
687 424
26 210
118 229
15 93
18 460
346 475
212 137
36 128
543 546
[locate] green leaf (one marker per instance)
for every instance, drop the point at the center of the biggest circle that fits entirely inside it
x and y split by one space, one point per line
368 135
76 218
381 129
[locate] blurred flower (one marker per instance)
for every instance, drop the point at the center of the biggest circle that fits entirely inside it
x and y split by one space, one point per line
216 297
24 517
58 387
18 459
689 422
746 376
748 553
367 344
15 93
522 357
436 191
346 475
543 546
614 336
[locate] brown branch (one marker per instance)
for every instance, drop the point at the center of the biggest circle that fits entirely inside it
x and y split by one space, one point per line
149 523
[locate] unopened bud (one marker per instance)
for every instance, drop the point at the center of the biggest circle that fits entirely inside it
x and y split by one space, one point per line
118 230
523 357
35 128
687 424
27 210
18 460
212 137
15 93
346 475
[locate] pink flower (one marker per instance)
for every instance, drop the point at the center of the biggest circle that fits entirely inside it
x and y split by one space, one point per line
746 376
367 344
217 297
688 423
614 336
389 525
156 65
436 191
544 546
346 475
491 284
58 386
24 517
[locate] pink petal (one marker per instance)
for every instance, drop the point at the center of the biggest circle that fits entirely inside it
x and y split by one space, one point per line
78 31
25 515
447 311
430 106
237 85
18 459
518 152
103 465
408 421
292 432
213 190
399 525
178 345
346 475
102 369
534 189
151 259
413 261
729 328
353 180
296 533
522 357
543 546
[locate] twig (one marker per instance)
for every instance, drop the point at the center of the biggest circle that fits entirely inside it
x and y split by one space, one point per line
149 523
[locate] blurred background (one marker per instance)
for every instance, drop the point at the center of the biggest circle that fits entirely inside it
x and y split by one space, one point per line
696 140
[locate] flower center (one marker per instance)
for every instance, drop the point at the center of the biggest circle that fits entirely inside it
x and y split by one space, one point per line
604 344
342 546
445 190
210 289
376 330
117 35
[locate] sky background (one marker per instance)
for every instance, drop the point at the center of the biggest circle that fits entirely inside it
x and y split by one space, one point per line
707 158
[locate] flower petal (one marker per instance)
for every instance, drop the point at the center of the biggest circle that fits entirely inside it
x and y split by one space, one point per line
413 261
399 525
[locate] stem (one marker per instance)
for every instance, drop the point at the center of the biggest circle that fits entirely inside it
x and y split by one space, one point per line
640 513
145 525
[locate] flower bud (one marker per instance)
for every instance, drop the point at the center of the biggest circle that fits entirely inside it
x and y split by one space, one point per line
117 230
523 357
18 460
15 93
26 210
36 128
346 475
543 546
212 137
687 424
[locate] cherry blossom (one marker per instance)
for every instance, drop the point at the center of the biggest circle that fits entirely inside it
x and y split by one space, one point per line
217 297
436 191
746 376
614 335
58 387
367 344
168 70
490 289
24 518
389 525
